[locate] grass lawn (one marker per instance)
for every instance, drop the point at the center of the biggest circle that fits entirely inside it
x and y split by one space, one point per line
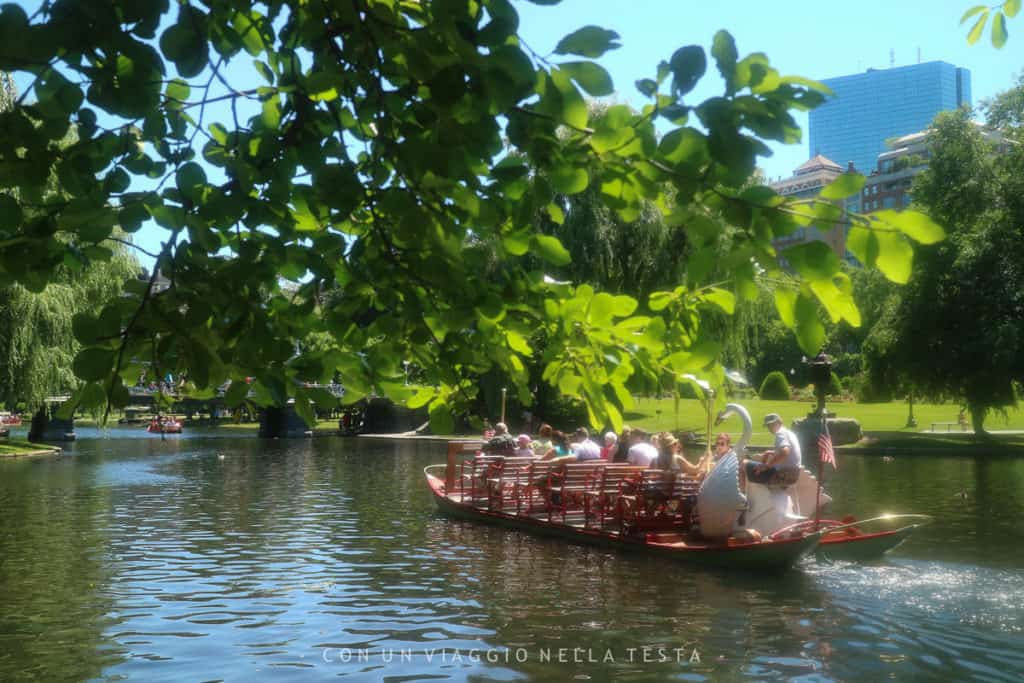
19 447
660 414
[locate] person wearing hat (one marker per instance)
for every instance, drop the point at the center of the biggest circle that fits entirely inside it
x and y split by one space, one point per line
779 466
524 441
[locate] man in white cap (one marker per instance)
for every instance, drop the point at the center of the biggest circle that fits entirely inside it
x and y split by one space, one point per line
779 466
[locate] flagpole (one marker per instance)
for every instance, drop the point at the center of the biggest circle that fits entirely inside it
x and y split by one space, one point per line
821 472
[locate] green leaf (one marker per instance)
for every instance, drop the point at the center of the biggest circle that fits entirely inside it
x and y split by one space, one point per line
843 186
589 41
178 91
237 393
518 343
602 308
723 49
1010 8
813 260
785 304
998 31
185 43
888 251
271 113
979 26
517 243
568 179
551 250
685 148
94 363
688 65
191 180
810 333
441 420
92 396
555 212
972 11
590 76
660 300
574 108
422 397
624 305
722 298
647 87
914 224
248 30
895 256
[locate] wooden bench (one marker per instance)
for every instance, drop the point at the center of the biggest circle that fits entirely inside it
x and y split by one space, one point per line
660 501
473 475
531 492
502 483
600 503
567 484
949 425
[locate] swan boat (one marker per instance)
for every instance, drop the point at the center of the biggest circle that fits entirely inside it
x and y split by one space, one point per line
164 426
615 506
780 512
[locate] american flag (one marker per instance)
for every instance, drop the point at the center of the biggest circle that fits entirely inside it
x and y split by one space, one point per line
825 449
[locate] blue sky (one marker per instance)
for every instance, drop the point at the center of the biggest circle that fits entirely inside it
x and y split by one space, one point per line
814 39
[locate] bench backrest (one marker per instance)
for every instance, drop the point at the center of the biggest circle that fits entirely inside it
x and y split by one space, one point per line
614 475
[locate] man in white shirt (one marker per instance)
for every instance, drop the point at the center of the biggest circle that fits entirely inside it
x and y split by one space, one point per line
585 448
781 465
641 452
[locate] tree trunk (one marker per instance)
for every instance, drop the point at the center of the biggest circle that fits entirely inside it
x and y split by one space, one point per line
978 420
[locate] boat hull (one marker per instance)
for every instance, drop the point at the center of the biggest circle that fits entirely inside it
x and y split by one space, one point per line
775 555
861 546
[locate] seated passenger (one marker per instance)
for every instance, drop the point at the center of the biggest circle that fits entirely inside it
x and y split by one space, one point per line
670 458
559 446
610 446
779 466
585 449
621 452
641 452
501 443
543 442
524 449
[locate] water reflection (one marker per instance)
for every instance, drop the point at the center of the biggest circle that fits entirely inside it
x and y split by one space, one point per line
214 558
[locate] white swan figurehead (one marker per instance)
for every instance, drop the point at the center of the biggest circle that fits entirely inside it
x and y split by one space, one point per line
748 425
719 500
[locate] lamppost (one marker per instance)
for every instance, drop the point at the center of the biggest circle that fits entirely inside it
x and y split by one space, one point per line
821 375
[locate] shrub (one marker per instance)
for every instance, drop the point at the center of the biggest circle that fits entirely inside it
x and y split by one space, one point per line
868 392
835 386
775 387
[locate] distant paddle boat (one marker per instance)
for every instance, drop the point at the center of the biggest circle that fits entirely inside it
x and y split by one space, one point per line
9 419
164 425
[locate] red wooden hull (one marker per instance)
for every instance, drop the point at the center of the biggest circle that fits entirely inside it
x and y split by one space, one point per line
764 555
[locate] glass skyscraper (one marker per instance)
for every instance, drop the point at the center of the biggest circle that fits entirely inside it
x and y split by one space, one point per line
869 108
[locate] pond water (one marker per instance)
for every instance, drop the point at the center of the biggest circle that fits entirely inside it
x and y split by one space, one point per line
207 557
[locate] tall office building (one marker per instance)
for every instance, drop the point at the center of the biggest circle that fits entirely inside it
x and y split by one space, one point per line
871 107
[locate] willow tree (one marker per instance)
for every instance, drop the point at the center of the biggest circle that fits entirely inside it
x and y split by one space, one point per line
385 148
37 343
